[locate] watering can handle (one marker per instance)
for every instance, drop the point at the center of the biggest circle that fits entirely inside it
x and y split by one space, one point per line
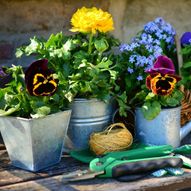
117 110
185 130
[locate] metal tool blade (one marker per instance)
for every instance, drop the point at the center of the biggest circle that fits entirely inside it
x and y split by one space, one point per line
80 175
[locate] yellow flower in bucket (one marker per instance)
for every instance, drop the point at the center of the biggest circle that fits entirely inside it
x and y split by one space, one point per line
90 20
111 139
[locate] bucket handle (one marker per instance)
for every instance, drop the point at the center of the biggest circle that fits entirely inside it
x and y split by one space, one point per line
117 110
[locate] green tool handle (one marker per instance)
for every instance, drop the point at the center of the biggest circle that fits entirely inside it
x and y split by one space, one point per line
144 152
121 168
140 153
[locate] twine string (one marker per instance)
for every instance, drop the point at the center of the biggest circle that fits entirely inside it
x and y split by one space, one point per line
111 139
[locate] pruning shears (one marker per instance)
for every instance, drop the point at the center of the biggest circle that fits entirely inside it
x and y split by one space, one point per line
133 164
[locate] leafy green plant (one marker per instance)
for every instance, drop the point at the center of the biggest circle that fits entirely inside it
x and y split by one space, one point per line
154 40
84 61
152 104
15 99
161 89
87 67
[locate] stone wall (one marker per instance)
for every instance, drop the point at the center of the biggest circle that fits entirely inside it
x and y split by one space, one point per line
22 19
138 12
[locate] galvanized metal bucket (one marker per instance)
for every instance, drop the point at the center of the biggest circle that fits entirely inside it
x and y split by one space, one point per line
164 129
34 144
88 116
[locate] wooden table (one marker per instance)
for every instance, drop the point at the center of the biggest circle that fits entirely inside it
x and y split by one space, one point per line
12 178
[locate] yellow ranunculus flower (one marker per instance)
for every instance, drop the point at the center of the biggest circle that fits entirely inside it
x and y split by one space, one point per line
90 20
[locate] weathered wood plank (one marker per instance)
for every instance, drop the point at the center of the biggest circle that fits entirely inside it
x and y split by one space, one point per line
12 178
11 175
54 183
2 147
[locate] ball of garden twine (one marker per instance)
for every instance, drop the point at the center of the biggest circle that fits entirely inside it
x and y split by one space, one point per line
116 137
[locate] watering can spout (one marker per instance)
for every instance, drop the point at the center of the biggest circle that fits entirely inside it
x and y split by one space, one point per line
185 130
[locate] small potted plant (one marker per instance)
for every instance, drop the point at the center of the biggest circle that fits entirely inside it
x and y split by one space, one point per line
158 104
33 116
155 39
87 61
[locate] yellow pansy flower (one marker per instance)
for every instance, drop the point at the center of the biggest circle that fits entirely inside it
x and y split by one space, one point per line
162 84
90 20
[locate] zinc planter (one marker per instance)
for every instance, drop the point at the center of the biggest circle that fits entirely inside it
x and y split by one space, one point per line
34 144
88 116
164 129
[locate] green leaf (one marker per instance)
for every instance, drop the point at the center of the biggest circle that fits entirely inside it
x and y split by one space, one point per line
150 96
113 74
104 64
68 45
171 101
101 45
19 52
162 101
33 46
122 102
69 96
186 50
41 112
151 109
54 41
82 65
79 56
9 111
178 95
187 65
140 96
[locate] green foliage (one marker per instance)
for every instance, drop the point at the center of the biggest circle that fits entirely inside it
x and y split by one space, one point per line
16 101
151 109
85 64
152 104
186 67
122 102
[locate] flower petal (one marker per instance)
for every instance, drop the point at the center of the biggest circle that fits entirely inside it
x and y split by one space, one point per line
163 84
39 79
90 20
163 65
186 39
149 78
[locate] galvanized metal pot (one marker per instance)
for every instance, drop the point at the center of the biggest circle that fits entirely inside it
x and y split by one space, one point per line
164 129
88 116
34 144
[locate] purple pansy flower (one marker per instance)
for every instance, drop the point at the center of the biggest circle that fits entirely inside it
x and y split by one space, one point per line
163 65
39 79
185 39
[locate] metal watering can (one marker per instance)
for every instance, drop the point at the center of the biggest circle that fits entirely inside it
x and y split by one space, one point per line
164 129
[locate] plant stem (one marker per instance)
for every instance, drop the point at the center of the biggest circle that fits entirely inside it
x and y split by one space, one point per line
45 99
52 65
99 57
90 43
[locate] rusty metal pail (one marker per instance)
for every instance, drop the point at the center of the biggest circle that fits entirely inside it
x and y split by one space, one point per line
88 116
34 144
